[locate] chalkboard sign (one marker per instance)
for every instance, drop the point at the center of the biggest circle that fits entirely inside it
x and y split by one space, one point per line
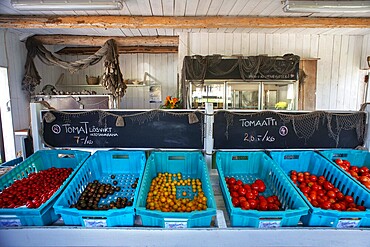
273 130
123 129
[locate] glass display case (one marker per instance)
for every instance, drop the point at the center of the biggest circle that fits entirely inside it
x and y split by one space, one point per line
249 95
208 92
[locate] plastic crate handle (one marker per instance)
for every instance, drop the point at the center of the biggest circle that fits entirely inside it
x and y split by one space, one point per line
340 155
177 157
120 156
66 156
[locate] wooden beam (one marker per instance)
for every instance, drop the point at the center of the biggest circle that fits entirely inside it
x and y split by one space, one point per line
121 50
187 22
100 40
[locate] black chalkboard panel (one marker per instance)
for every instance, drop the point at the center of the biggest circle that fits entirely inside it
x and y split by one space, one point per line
103 129
273 130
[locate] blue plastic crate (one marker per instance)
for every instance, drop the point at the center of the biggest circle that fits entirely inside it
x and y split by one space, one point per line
249 166
190 165
314 163
355 157
13 162
126 166
41 160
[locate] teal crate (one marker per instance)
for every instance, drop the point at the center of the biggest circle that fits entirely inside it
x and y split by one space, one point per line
13 162
126 166
314 163
249 166
41 160
355 157
190 165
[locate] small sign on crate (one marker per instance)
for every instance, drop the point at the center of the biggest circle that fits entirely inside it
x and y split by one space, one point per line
269 223
175 223
348 223
95 222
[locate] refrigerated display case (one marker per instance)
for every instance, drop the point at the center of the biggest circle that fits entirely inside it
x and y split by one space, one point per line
249 95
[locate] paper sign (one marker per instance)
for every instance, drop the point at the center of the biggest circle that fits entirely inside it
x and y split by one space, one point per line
175 223
95 222
10 222
269 224
350 223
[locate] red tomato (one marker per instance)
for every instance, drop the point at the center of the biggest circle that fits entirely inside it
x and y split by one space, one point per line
253 203
261 188
361 208
315 203
232 180
250 195
272 207
364 169
348 199
328 186
325 205
239 182
270 199
339 196
242 199
315 187
367 185
354 168
331 194
234 187
245 205
247 187
234 194
255 192
300 179
242 191
364 179
263 206
254 186
235 202
305 189
293 178
336 206
338 161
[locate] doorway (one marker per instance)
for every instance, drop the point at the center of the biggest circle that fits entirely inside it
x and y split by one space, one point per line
6 123
2 150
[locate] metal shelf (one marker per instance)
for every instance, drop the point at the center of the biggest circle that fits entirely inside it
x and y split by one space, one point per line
219 235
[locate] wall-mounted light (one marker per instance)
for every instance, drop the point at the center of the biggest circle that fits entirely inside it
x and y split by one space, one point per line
326 6
368 61
60 5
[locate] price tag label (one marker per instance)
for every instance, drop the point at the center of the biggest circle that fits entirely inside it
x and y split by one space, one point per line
11 222
175 223
92 222
269 224
348 223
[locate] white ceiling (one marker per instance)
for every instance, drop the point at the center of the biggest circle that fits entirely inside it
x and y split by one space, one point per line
189 8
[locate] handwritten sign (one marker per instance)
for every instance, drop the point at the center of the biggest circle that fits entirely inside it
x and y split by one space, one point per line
272 130
147 129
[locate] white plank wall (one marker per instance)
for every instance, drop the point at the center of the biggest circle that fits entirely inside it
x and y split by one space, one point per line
162 69
340 80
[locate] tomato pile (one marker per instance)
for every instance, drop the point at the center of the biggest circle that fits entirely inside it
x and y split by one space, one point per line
322 193
247 196
90 198
35 189
362 174
163 191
